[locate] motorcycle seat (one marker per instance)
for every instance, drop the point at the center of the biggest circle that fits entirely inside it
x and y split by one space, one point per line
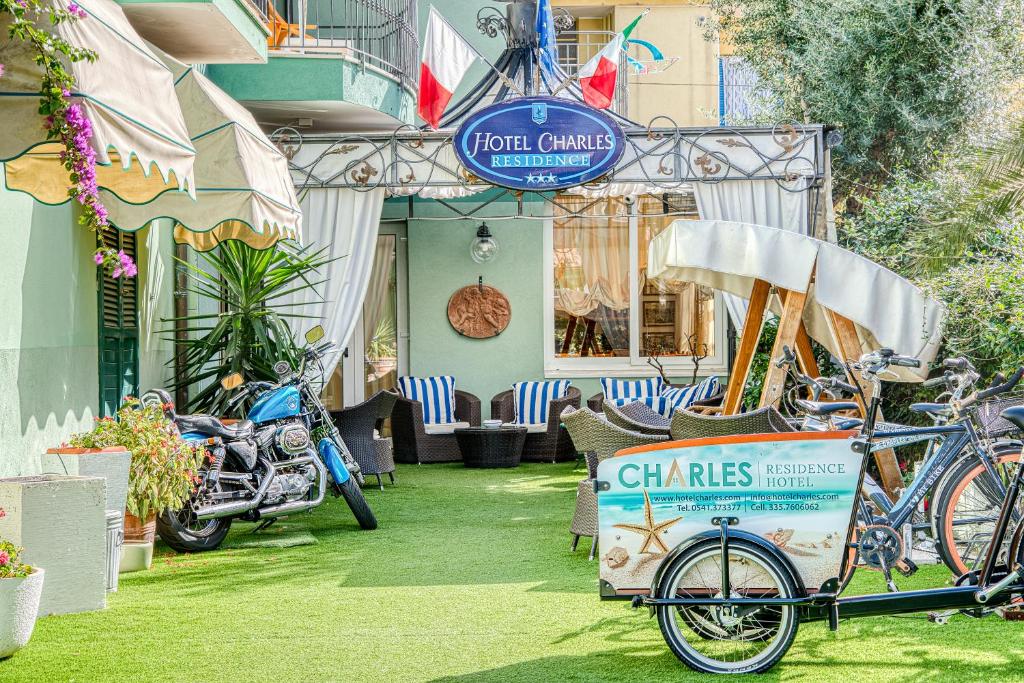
823 408
208 424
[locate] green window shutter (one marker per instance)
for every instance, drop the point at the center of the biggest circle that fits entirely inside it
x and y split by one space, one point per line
118 329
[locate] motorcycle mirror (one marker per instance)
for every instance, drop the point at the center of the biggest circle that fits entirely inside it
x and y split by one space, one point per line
314 335
282 368
232 381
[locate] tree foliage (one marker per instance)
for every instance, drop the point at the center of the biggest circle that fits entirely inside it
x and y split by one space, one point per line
901 78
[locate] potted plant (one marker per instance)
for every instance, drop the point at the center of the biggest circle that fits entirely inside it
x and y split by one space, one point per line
163 465
21 586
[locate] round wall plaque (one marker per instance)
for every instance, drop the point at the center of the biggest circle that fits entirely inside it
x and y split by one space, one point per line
479 311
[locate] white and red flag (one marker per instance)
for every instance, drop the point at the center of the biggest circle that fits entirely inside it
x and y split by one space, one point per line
598 76
446 59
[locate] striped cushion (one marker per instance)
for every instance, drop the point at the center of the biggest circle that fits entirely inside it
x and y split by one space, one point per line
437 394
682 397
658 404
532 400
631 389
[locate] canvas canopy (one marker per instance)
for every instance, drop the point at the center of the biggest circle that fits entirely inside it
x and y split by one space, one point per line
887 310
243 189
128 96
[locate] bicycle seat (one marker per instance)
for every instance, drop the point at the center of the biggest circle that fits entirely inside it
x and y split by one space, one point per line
208 424
933 408
1014 415
823 408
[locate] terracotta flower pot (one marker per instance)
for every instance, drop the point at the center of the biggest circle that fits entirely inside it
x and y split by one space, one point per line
19 607
137 530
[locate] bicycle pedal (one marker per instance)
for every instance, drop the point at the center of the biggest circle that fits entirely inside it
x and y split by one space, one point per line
906 567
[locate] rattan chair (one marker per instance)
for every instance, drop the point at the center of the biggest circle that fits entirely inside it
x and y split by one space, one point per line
553 443
413 444
598 439
689 425
638 417
356 426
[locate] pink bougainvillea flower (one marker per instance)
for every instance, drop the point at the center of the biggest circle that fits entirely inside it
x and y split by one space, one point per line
2 70
98 257
3 513
4 558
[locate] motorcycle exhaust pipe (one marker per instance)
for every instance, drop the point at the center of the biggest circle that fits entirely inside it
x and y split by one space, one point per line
240 506
301 505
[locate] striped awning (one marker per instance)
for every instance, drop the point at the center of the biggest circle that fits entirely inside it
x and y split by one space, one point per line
139 135
243 189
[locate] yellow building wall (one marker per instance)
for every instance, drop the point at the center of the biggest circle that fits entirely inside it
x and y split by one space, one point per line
688 91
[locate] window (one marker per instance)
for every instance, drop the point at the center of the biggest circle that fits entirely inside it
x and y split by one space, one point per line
606 316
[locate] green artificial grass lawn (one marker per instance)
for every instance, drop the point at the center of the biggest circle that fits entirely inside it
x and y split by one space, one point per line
469 578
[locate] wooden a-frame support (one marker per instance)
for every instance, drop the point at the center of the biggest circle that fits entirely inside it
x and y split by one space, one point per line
793 334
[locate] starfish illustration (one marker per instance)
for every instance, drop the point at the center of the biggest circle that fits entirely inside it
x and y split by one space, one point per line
649 529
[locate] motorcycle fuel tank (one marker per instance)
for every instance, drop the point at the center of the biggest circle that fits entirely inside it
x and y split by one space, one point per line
276 405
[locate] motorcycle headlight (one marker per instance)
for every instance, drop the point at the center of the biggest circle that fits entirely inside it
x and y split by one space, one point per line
293 439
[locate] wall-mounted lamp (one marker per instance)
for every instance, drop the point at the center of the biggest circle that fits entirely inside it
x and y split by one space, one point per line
484 247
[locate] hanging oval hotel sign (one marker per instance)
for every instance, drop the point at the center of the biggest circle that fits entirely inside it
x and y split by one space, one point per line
539 143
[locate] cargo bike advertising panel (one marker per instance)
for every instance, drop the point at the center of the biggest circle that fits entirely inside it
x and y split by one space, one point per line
796 491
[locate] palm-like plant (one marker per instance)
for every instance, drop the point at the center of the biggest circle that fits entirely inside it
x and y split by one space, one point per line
252 290
996 175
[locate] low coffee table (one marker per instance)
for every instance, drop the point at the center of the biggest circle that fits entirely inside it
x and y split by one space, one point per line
491 447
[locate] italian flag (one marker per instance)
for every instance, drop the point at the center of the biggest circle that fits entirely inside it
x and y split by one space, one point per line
446 59
597 77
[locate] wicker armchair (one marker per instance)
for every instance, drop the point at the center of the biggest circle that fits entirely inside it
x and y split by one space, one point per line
551 445
356 426
412 442
690 425
637 417
598 439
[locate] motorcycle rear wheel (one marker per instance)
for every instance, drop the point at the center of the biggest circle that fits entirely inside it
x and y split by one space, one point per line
191 538
353 495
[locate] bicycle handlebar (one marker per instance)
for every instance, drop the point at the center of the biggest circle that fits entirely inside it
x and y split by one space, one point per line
960 364
1002 388
937 381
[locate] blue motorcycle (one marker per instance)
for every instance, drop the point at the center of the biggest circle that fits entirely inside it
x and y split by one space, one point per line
278 461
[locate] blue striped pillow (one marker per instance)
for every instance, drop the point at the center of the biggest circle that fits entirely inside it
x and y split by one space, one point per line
682 397
437 394
631 389
658 404
532 400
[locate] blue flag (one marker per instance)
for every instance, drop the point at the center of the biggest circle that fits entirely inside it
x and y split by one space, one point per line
545 27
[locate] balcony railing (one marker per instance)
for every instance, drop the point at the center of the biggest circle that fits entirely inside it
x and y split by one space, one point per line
380 33
576 48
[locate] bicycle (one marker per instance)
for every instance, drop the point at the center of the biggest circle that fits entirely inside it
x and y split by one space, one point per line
959 467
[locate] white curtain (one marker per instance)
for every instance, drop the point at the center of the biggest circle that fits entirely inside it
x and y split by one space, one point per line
762 202
346 222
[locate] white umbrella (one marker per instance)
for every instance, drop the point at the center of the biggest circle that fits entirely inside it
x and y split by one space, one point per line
127 95
243 189
887 310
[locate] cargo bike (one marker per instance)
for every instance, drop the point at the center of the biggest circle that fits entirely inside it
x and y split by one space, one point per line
732 542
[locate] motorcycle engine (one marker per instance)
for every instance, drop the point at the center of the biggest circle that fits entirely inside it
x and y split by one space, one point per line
290 486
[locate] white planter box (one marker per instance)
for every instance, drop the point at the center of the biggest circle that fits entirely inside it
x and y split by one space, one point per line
136 556
61 524
19 607
110 463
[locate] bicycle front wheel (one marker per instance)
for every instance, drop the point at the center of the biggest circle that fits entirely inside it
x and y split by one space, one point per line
967 508
716 639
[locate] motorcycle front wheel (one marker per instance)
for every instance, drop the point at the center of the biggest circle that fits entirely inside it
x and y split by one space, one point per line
191 536
353 495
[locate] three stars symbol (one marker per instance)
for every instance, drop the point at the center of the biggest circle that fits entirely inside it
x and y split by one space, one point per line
540 178
650 530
